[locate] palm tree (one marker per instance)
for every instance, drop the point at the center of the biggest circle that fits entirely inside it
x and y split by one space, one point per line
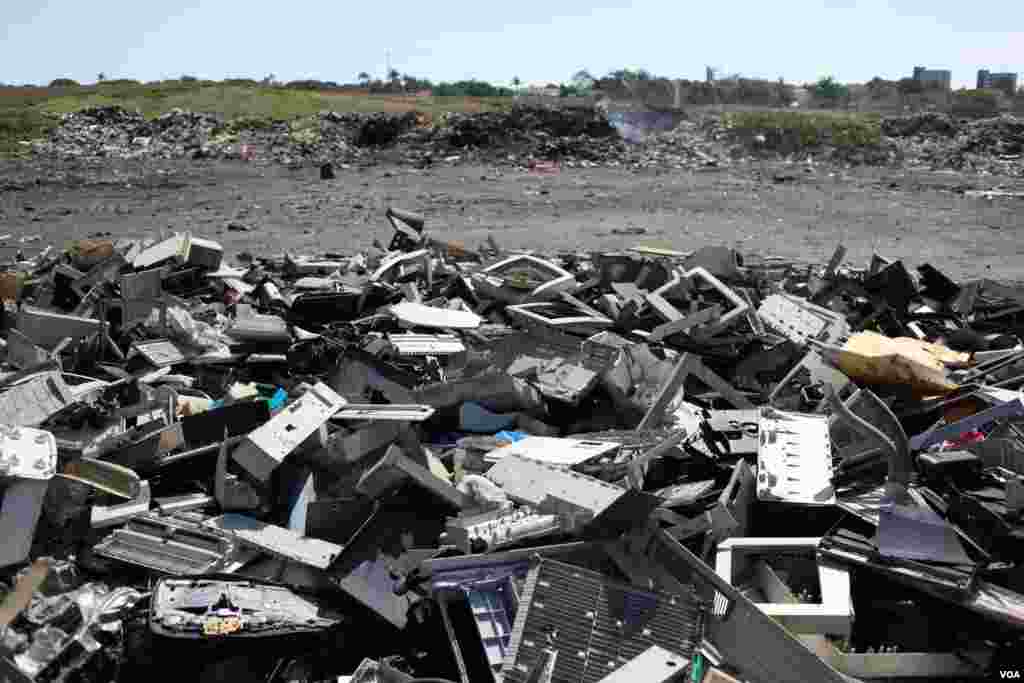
363 77
393 75
516 82
101 77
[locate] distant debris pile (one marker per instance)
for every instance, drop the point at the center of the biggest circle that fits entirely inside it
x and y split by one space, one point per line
519 137
994 145
924 123
112 131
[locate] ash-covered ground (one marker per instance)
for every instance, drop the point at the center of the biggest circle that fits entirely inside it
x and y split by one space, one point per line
789 210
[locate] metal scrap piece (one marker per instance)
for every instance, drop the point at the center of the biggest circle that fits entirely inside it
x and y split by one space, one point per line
409 344
105 476
170 545
388 411
111 515
277 540
33 402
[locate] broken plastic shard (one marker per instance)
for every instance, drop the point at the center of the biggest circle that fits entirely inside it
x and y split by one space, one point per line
419 315
914 533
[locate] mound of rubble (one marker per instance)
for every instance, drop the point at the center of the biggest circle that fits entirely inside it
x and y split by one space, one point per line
115 132
435 463
112 131
573 137
994 145
925 123
570 136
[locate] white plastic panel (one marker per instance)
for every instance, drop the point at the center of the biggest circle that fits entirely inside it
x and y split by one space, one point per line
266 447
554 451
794 458
799 320
27 453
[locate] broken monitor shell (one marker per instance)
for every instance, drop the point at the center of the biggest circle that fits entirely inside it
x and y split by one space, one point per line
739 305
561 315
229 607
524 278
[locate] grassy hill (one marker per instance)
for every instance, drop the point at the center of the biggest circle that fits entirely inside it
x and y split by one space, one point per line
27 113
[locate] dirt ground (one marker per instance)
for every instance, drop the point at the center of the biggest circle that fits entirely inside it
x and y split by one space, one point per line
782 210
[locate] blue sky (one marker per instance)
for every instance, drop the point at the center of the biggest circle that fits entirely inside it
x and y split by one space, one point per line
537 41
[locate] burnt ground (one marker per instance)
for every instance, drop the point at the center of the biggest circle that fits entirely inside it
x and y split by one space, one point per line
781 210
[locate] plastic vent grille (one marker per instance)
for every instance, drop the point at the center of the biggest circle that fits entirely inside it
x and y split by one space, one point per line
594 624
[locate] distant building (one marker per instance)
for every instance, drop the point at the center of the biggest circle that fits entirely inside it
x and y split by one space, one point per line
933 78
1006 82
549 90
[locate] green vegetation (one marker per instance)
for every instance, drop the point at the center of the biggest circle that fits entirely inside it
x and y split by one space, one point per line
828 88
304 131
17 124
21 118
154 99
471 88
630 75
790 129
574 90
